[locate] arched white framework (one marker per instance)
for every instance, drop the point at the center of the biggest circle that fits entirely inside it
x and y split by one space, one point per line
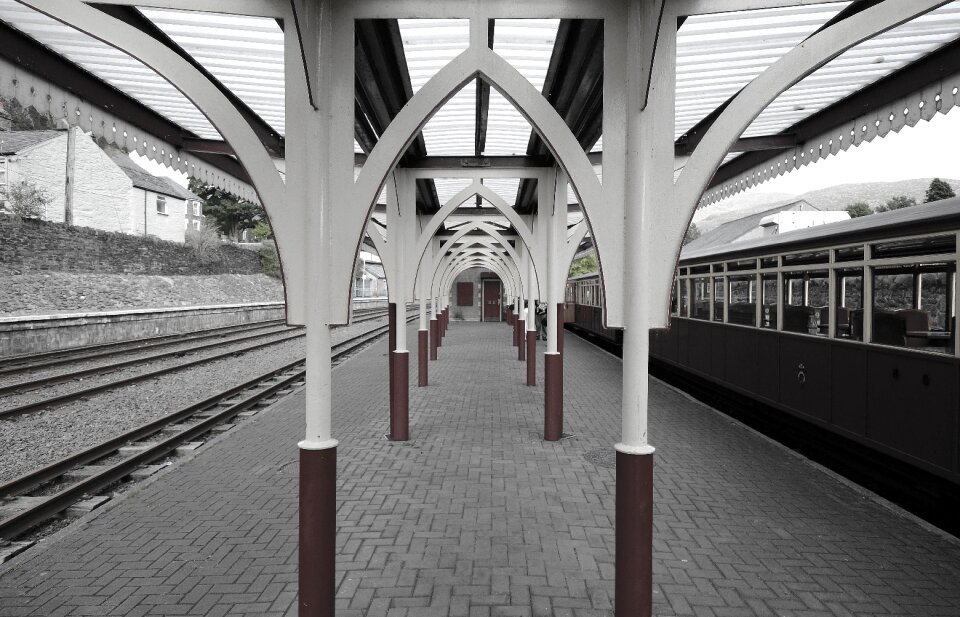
516 258
479 60
508 269
796 64
476 188
446 283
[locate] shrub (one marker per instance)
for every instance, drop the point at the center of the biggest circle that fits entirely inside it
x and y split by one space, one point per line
205 242
27 201
270 260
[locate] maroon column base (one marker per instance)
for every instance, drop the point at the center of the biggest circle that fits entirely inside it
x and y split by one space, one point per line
561 309
434 338
509 317
531 358
391 339
634 535
445 321
516 331
400 397
318 532
521 348
553 396
423 344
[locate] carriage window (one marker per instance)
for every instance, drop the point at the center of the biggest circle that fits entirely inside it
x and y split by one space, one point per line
768 315
718 298
701 298
805 302
850 304
684 299
912 307
743 301
916 246
850 253
769 262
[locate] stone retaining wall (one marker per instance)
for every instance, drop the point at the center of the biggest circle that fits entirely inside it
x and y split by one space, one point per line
36 334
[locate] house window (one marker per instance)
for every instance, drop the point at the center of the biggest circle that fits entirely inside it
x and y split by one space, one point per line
197 208
161 204
196 225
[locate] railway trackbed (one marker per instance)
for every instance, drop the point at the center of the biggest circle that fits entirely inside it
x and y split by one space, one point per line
75 481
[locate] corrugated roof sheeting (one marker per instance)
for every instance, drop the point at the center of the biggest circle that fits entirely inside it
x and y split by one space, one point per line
114 67
244 53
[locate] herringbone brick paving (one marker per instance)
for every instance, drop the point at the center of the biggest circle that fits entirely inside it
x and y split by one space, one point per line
478 516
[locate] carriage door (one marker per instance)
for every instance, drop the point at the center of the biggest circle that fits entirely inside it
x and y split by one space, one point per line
491 300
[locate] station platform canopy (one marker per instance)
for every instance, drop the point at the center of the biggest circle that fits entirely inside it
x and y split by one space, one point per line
892 80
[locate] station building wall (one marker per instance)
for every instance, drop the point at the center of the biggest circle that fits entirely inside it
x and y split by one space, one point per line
467 313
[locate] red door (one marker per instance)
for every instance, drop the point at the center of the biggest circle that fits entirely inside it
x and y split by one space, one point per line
491 300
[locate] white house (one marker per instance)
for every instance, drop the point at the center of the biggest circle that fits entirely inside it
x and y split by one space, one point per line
109 192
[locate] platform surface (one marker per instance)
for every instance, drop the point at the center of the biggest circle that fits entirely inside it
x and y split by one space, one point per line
478 516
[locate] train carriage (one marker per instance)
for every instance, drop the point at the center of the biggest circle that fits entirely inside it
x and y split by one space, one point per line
846 331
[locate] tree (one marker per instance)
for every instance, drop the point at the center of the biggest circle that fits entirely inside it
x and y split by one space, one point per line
897 203
27 201
232 214
693 232
938 190
859 209
262 231
584 265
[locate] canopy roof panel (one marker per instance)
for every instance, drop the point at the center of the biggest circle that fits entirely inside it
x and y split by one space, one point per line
116 68
716 56
244 53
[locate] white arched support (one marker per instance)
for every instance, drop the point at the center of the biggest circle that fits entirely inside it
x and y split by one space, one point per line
507 269
796 64
479 60
476 188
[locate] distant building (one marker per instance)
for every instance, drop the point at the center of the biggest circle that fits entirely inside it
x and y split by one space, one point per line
370 280
795 215
110 191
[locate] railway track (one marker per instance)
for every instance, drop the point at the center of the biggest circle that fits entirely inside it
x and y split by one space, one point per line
23 364
44 494
55 401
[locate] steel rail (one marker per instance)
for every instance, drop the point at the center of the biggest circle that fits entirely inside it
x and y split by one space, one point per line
17 364
72 396
22 363
50 380
58 502
66 398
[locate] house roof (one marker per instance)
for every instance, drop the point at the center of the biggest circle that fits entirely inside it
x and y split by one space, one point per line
733 230
14 142
145 180
376 270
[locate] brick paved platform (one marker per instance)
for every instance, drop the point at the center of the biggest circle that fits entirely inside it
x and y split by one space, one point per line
478 516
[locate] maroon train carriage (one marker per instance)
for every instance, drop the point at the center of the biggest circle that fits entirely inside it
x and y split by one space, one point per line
841 338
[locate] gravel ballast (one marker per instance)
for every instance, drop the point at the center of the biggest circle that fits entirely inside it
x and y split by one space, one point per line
31 441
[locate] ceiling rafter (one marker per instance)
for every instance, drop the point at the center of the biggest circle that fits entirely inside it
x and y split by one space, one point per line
574 86
382 86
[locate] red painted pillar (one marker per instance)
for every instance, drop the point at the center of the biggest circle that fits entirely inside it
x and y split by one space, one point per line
446 320
553 396
521 347
318 532
434 337
634 535
400 397
516 330
531 358
423 344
